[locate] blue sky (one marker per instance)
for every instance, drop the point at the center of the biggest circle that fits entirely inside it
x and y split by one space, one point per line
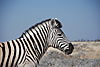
80 18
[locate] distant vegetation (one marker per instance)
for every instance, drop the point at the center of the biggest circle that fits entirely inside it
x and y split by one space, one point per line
83 40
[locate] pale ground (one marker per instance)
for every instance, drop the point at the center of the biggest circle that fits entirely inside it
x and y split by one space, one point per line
85 54
90 50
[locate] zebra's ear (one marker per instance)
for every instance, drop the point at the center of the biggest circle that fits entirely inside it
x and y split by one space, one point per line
55 23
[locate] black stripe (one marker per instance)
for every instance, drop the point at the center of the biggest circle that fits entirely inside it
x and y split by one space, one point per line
30 58
9 47
33 45
23 50
43 32
3 49
44 28
59 42
41 36
14 53
36 40
46 45
43 40
40 45
19 52
47 27
28 46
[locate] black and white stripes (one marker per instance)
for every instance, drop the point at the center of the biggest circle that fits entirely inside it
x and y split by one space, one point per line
33 43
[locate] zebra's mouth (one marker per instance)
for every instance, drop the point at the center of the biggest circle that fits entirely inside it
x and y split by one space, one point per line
68 52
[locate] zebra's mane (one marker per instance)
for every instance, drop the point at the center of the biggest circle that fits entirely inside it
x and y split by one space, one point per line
32 27
39 23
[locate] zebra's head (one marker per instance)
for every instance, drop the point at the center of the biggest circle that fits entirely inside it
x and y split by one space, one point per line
57 38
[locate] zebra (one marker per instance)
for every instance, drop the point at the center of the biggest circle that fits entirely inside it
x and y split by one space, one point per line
33 43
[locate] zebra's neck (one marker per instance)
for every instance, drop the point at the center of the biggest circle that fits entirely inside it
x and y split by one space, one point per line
36 40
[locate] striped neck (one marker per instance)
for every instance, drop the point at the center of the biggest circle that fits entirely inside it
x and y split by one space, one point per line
36 39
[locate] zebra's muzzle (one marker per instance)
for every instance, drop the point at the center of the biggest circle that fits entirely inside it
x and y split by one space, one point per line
70 50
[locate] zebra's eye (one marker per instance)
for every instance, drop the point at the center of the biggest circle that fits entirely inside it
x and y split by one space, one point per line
59 34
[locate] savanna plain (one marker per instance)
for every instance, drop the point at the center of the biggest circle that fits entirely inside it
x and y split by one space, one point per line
85 54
